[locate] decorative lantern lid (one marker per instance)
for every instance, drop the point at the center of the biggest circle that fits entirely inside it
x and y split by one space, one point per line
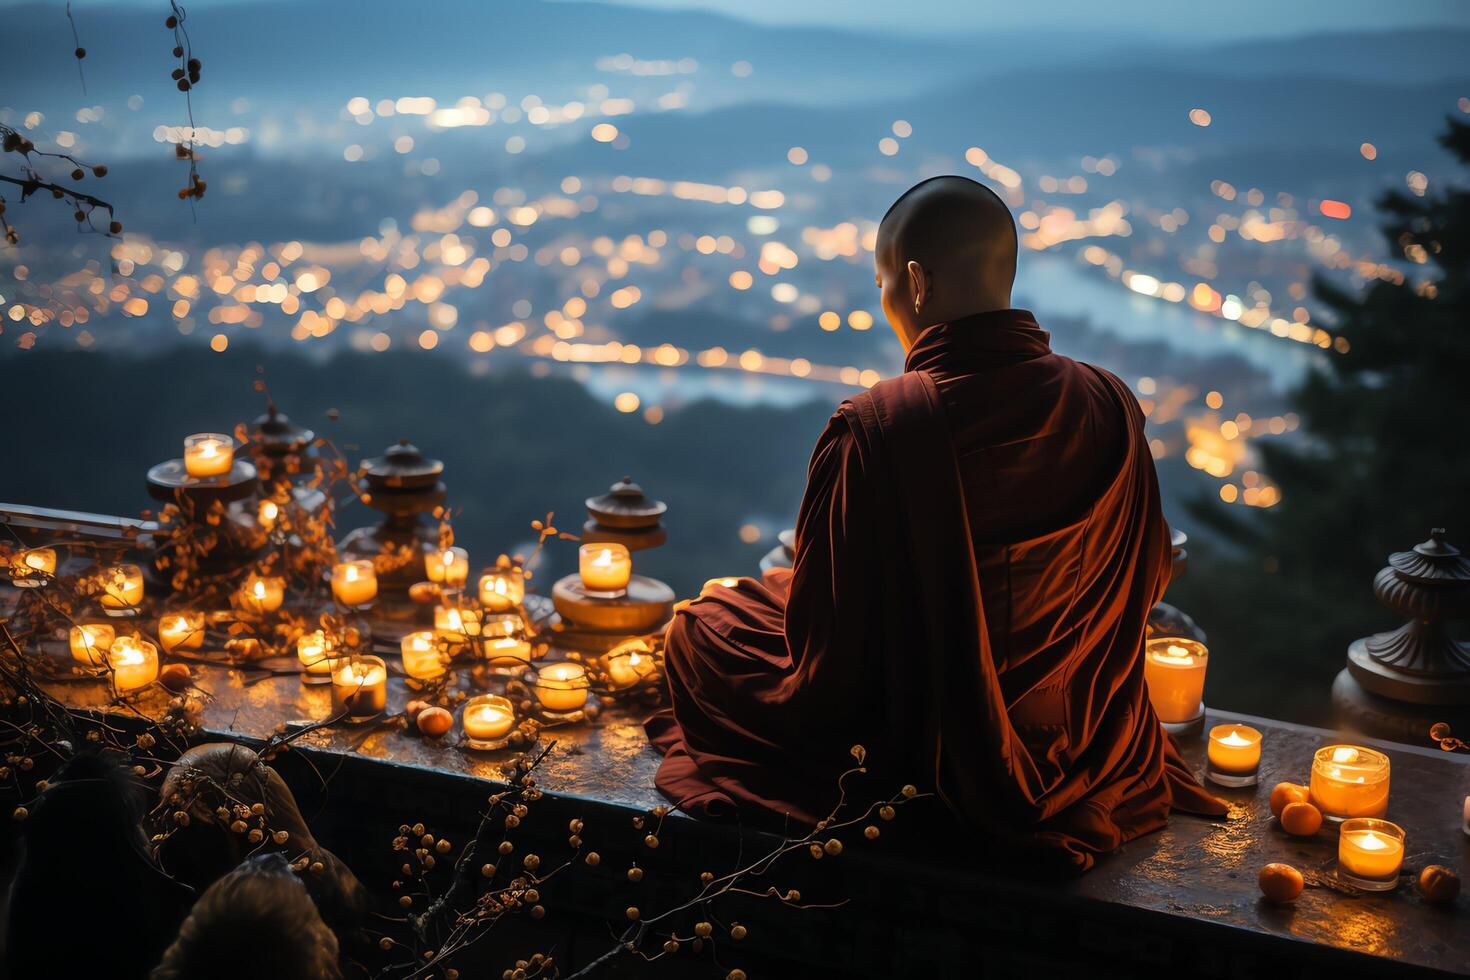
626 507
1435 561
402 467
277 435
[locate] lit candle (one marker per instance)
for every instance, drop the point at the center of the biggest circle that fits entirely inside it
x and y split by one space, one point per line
89 641
208 454
267 514
134 663
360 687
422 658
1174 669
628 663
562 687
32 567
314 651
506 624
502 589
508 652
1370 852
355 583
181 630
261 594
122 588
456 624
1350 781
606 568
728 582
448 567
488 719
1234 755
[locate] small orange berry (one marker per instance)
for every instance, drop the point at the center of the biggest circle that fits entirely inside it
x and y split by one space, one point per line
1284 793
1301 819
1280 883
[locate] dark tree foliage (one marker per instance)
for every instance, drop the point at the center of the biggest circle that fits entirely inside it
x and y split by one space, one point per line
1385 457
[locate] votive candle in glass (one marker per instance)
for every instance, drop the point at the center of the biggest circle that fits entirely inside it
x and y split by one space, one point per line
449 567
355 583
1350 781
1174 669
502 589
504 624
267 514
360 687
456 624
561 688
261 594
122 589
89 643
208 454
1234 755
134 663
606 568
508 654
314 652
487 720
1369 853
32 567
181 630
628 663
422 657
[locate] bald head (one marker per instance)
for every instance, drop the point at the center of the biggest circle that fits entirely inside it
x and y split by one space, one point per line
946 249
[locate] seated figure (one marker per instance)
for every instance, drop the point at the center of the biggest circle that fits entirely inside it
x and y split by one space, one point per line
977 551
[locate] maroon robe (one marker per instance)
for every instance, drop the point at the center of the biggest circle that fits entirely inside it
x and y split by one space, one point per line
978 549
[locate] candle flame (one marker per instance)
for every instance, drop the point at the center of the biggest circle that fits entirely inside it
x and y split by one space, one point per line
1181 659
1345 753
268 510
125 652
350 574
1235 738
448 558
1370 840
35 560
604 558
259 589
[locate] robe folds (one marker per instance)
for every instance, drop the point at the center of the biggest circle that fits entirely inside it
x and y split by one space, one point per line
977 551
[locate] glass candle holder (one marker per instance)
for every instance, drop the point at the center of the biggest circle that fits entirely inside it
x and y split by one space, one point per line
261 594
1369 853
606 568
1234 755
449 567
502 589
561 689
122 589
208 454
507 656
90 642
456 624
133 662
360 687
181 630
1350 781
503 624
355 583
1174 669
423 659
314 653
488 720
32 567
628 663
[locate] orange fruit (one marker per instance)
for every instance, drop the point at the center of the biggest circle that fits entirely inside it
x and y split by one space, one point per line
434 722
1438 884
1301 819
1280 883
1284 793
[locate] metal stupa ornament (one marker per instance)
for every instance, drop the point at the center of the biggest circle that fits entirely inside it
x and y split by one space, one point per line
273 434
402 478
627 515
1417 673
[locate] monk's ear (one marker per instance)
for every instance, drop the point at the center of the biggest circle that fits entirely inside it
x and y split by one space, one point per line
918 284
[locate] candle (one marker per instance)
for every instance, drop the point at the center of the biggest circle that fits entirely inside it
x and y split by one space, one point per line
502 589
360 687
508 652
456 624
314 651
267 514
488 718
562 687
261 594
1350 781
422 658
181 630
208 454
449 567
506 624
134 663
89 641
628 663
122 589
1234 755
1370 852
355 583
728 582
32 567
1174 669
606 568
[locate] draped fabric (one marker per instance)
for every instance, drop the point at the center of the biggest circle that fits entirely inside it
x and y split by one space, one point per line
976 554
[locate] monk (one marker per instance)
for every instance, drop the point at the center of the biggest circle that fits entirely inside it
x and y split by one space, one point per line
977 551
